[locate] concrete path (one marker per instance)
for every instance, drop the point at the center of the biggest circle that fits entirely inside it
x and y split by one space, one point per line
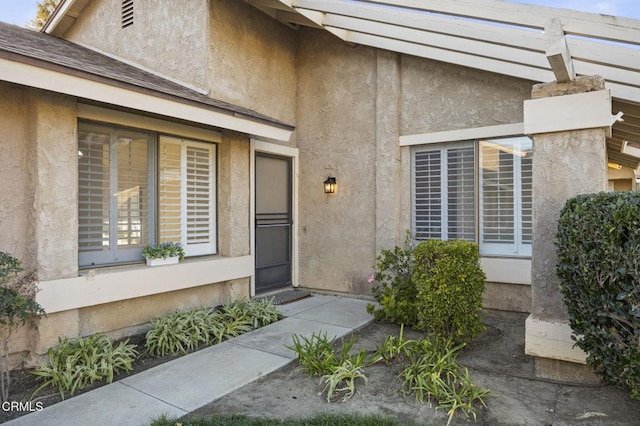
190 382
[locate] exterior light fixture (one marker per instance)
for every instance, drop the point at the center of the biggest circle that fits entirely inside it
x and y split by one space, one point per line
330 185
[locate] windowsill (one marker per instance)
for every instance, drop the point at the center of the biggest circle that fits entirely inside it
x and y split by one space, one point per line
507 269
89 270
114 283
506 256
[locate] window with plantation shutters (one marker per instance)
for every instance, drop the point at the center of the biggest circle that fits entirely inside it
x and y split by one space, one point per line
115 182
447 179
444 193
506 196
186 194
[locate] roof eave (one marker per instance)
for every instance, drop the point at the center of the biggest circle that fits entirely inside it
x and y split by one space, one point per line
133 97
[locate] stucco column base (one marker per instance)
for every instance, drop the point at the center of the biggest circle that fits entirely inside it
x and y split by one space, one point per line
565 371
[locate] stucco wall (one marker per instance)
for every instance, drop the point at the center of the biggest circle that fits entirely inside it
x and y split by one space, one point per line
16 195
336 136
252 60
353 104
437 96
167 36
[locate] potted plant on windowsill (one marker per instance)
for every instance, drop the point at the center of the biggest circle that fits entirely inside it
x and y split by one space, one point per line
163 254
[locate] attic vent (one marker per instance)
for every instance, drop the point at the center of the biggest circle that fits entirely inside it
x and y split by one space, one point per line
127 13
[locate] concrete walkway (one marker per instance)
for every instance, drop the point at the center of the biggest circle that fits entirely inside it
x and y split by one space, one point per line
187 383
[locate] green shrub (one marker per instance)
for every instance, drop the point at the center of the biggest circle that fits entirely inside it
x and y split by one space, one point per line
599 269
450 284
395 290
75 363
18 307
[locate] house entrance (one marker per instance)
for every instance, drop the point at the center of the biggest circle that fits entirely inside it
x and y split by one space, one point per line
273 221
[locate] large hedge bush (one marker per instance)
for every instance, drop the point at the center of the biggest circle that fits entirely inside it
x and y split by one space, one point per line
599 268
450 285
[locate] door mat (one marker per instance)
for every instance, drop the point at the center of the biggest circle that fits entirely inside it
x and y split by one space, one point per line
287 296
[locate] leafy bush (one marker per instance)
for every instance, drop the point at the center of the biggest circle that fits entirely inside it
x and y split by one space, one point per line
599 269
450 284
395 291
75 363
17 308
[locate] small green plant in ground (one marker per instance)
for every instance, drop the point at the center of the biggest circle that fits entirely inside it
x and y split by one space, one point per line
315 353
341 381
181 332
17 308
450 284
339 371
599 268
324 419
77 362
433 374
392 348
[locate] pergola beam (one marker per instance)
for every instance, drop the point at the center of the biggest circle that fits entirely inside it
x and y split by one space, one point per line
558 52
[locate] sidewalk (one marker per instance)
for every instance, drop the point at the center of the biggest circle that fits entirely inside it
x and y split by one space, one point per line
190 382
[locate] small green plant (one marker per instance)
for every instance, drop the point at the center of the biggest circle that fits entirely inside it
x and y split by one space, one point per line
450 284
392 348
17 308
434 374
173 334
395 290
599 268
77 362
315 354
257 312
341 380
163 250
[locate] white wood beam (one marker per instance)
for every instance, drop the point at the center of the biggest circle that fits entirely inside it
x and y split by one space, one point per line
558 52
458 58
514 129
523 38
456 44
615 28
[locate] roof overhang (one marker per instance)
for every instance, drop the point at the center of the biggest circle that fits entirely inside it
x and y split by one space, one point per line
64 15
130 97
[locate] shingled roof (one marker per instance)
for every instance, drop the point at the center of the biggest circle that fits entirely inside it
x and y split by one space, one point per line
43 50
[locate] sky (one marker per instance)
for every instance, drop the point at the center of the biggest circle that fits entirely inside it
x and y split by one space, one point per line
20 12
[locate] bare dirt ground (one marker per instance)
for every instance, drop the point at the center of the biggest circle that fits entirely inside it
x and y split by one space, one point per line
495 361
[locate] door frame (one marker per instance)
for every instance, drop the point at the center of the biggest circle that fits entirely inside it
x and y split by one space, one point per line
282 151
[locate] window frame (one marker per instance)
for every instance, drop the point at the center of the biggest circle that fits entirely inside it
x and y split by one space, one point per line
519 249
94 259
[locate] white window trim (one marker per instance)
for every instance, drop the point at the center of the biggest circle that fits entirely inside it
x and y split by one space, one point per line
502 130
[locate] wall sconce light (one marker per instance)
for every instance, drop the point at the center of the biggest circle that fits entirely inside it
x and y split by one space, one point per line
330 185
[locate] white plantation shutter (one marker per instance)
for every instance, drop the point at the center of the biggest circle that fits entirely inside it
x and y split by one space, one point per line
506 196
444 193
187 195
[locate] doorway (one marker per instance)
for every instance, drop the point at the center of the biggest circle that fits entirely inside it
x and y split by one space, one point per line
273 222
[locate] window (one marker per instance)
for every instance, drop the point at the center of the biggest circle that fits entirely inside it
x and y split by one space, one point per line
449 178
137 188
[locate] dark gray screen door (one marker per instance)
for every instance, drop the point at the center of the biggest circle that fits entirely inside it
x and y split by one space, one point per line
273 222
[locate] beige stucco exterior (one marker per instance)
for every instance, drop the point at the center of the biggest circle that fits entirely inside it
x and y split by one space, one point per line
350 105
39 224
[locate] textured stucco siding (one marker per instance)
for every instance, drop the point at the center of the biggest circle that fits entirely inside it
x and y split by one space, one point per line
437 96
252 60
353 104
16 194
167 36
336 136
